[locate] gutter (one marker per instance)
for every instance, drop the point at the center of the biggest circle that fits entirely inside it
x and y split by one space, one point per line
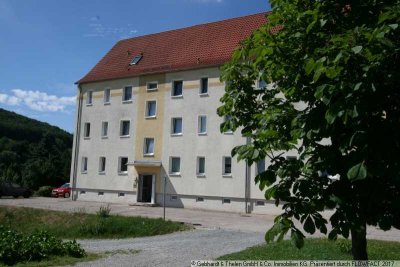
247 183
76 148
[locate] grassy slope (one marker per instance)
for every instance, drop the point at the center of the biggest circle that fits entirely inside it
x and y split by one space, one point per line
316 249
81 225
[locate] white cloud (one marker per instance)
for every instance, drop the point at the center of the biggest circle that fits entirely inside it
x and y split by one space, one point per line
36 100
98 29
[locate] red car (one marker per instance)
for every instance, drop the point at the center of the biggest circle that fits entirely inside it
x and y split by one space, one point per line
63 191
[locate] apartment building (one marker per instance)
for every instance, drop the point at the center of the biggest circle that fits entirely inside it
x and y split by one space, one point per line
147 116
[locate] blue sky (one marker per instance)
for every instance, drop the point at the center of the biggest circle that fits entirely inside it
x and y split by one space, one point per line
47 45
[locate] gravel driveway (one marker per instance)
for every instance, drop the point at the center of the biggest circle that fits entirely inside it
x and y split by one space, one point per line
176 249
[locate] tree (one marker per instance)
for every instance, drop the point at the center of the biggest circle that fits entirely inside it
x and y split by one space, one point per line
333 96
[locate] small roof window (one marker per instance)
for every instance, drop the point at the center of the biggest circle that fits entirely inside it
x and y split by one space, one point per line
136 60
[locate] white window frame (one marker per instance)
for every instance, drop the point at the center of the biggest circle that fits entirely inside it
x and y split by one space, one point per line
145 153
198 173
172 126
199 125
89 98
146 115
170 166
121 129
120 171
123 94
101 161
151 89
84 165
107 89
103 123
224 173
201 86
86 132
173 89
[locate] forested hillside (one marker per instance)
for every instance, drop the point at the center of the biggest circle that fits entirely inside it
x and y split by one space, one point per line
33 153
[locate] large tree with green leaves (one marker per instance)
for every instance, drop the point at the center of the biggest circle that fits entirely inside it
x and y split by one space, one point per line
334 97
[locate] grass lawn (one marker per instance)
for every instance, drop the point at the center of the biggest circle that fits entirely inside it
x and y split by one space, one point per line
80 225
316 249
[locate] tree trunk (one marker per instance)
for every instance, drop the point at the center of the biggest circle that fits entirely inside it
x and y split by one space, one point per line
359 243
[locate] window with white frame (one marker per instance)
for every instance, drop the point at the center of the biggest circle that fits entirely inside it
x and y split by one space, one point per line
123 165
102 164
151 109
152 86
124 128
84 166
89 98
201 166
104 129
227 166
176 126
177 88
127 94
148 149
86 130
203 85
260 166
175 165
107 95
202 129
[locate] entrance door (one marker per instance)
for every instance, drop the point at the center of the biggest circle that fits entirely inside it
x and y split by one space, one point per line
146 187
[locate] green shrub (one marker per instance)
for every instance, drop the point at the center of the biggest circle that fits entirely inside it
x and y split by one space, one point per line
16 247
44 191
104 211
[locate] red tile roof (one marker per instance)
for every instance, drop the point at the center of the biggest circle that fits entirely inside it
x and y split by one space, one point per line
204 45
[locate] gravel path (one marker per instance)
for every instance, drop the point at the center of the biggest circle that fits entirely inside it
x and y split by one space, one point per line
176 249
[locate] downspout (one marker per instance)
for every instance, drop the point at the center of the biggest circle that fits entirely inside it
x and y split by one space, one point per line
247 182
76 148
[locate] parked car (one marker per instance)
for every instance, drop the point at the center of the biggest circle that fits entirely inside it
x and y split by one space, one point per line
62 191
14 190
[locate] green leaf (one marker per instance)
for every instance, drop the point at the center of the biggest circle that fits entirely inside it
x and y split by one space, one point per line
393 26
357 172
309 225
357 86
309 66
297 238
357 49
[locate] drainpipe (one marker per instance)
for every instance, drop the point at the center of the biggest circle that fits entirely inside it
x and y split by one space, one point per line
247 182
76 147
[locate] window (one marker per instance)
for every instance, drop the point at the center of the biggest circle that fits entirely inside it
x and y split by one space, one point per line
121 194
84 164
203 86
100 193
102 164
174 197
260 203
127 94
152 86
261 84
226 201
201 166
226 119
86 130
124 129
82 192
104 129
227 166
136 60
291 157
177 88
89 98
123 165
176 127
175 166
107 95
199 199
148 149
202 124
260 166
151 109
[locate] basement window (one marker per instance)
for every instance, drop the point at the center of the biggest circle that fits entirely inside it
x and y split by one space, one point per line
260 203
200 199
226 201
136 60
